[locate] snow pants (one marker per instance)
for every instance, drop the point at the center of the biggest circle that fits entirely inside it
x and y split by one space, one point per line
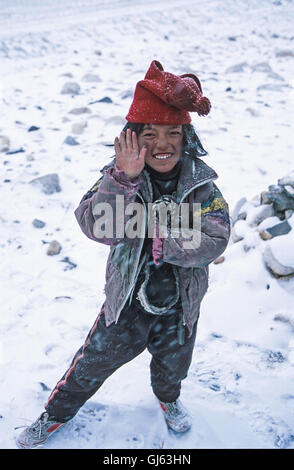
108 348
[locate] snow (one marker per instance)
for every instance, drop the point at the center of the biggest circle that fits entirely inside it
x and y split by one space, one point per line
240 386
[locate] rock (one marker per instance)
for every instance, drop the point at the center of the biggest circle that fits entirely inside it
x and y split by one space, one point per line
272 87
289 213
274 265
106 99
126 94
116 120
44 387
38 223
12 152
237 208
261 67
219 260
263 198
259 213
237 68
289 189
49 184
285 53
239 231
71 141
276 76
54 248
81 110
280 229
71 88
268 222
90 77
280 198
265 235
288 179
33 128
253 112
4 143
78 127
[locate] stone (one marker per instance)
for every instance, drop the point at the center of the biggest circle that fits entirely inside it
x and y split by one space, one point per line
239 230
253 112
71 88
259 213
78 127
81 110
265 235
219 260
288 179
280 229
289 213
237 68
236 210
54 248
261 67
71 141
289 189
12 152
106 99
38 223
280 198
90 77
33 128
285 53
274 265
49 184
272 87
4 143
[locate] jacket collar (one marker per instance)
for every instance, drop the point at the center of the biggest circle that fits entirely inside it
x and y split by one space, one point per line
194 172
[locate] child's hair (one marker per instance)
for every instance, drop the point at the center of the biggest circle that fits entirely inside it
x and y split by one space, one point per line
191 142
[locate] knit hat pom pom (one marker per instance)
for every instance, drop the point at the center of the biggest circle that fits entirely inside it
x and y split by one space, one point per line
203 106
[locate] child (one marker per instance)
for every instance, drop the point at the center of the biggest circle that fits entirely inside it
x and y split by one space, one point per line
155 280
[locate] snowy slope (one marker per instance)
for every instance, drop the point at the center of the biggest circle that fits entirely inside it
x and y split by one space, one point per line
240 389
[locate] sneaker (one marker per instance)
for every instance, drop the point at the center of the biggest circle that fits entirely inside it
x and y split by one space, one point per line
37 433
176 416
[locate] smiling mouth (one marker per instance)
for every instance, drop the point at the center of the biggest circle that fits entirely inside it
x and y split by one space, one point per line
162 156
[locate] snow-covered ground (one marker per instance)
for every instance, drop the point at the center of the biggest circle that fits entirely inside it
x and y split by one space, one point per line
240 389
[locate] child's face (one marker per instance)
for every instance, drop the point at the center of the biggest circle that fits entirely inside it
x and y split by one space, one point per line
164 145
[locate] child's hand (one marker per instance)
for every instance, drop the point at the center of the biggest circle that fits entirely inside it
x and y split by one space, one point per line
128 156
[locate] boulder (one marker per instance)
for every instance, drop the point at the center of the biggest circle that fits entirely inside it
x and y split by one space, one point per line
278 255
71 88
237 68
48 184
91 78
259 213
81 110
4 143
78 127
54 248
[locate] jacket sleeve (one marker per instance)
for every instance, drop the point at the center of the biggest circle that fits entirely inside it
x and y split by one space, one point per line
113 183
208 240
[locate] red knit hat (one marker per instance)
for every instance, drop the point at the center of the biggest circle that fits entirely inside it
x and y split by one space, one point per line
164 98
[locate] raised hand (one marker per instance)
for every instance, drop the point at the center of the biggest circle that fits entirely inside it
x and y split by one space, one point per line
129 157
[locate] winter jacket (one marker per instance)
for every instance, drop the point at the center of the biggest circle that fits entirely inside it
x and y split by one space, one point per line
195 185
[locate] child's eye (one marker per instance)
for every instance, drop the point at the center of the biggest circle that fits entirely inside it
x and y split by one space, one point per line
149 134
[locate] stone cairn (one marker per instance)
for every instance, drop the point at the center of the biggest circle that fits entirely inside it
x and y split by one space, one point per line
264 218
